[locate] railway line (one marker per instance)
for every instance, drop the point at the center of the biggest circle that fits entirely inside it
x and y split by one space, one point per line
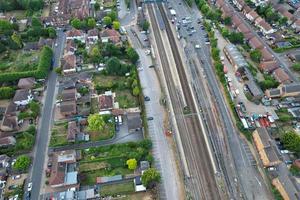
201 183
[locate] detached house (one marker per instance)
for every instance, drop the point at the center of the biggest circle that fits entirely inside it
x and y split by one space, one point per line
69 64
110 35
106 101
22 97
92 36
26 83
75 34
10 119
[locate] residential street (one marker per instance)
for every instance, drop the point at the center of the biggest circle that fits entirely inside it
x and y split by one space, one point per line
40 151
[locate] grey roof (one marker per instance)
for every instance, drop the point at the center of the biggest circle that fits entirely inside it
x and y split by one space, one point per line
290 88
105 179
271 154
264 136
21 95
86 194
274 92
134 120
254 89
235 55
71 178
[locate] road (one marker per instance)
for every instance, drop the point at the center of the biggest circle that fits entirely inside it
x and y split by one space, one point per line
200 178
165 158
276 56
246 175
43 131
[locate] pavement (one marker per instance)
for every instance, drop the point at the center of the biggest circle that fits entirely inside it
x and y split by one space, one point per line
43 133
246 176
129 17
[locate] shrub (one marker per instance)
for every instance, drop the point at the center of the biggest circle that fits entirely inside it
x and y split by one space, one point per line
6 92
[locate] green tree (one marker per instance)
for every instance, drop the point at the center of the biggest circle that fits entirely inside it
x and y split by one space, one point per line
76 23
91 23
97 6
136 91
282 21
255 55
296 67
113 15
145 25
227 21
17 39
132 164
268 83
204 9
51 32
95 55
22 163
35 108
236 38
107 20
291 141
58 70
113 66
116 25
36 22
25 142
5 26
6 92
96 123
132 55
150 178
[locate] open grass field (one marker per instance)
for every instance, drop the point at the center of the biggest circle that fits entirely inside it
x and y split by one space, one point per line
126 99
109 81
117 189
18 61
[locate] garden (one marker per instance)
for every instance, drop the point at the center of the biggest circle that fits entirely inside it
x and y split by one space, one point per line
117 189
111 160
59 134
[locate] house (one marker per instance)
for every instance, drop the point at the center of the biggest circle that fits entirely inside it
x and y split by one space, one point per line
134 121
68 108
226 11
266 55
31 46
138 186
7 141
254 89
69 94
258 20
106 101
296 25
110 35
69 64
265 27
22 97
64 172
268 66
252 15
239 4
77 195
92 36
4 161
265 148
70 47
234 56
248 36
73 130
255 43
288 90
236 21
9 123
281 76
246 10
26 83
243 29
219 3
75 34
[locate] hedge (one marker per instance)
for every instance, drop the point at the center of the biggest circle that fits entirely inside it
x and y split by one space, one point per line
41 72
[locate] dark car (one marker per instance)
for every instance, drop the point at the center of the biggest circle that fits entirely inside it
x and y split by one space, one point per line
12 187
151 66
27 195
150 118
147 98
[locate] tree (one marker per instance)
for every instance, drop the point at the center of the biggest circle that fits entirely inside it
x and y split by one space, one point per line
113 15
204 9
36 22
136 91
150 177
132 55
17 39
96 123
76 23
282 20
291 141
5 26
95 55
91 23
51 32
236 37
116 25
22 163
35 108
255 55
58 70
25 142
107 20
97 6
227 21
145 25
132 164
113 66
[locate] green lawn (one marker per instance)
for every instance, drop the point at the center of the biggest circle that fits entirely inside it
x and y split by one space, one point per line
18 61
59 135
117 189
94 105
126 99
284 115
107 133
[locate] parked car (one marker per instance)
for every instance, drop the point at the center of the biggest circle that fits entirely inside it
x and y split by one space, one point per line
29 187
272 169
150 118
12 187
288 162
151 66
284 151
147 98
16 177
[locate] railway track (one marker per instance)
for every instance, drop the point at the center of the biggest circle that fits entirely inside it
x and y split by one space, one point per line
201 184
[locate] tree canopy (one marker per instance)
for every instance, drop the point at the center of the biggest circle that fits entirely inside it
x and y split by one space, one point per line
22 163
96 123
145 25
132 55
107 20
255 55
116 25
150 178
291 141
132 164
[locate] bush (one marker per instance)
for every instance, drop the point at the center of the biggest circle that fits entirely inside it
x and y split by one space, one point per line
7 92
296 67
22 163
